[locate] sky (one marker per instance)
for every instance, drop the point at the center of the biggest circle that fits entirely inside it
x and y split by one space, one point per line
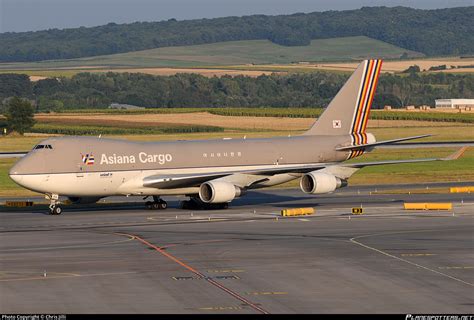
33 15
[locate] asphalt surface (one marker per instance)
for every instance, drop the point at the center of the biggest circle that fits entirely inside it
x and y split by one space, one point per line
247 259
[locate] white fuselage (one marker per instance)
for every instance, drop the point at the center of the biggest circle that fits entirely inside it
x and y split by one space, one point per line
124 182
92 167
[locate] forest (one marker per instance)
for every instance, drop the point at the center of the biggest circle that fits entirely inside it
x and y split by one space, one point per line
432 32
99 90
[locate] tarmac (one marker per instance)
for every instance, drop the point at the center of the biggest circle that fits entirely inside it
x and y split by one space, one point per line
246 259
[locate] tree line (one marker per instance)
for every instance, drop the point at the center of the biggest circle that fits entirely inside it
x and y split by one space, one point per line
433 32
99 90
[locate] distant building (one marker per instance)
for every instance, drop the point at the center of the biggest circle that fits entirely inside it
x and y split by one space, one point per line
124 106
454 103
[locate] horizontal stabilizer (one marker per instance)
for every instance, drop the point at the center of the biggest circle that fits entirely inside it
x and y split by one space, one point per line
430 144
379 143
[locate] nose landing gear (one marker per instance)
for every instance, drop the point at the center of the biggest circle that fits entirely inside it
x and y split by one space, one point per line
156 204
54 207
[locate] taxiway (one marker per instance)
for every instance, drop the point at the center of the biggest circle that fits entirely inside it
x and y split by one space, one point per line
247 259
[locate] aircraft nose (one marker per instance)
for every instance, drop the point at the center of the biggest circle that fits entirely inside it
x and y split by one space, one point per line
17 178
15 174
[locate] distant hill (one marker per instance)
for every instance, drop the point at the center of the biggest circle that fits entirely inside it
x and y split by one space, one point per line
432 32
232 53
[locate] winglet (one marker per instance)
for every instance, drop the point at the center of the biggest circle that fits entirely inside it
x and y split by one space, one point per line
456 155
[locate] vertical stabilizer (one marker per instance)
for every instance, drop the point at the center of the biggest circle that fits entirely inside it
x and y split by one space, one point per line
348 112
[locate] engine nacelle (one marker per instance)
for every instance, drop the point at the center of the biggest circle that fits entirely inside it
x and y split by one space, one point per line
218 192
319 182
83 200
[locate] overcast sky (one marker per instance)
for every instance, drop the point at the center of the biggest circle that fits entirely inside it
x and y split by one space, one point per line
29 15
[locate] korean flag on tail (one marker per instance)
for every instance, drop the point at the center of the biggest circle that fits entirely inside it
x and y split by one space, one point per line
336 124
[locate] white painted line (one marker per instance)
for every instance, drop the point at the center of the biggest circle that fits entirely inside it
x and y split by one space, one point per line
353 240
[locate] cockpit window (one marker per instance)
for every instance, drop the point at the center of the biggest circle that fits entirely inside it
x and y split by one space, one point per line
43 146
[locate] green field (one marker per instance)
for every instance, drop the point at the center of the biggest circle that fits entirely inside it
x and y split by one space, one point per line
290 113
316 112
230 53
446 126
107 129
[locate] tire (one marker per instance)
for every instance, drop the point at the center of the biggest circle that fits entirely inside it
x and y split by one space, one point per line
57 210
163 205
148 205
156 206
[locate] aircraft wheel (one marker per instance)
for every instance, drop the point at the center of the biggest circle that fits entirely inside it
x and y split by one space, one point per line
163 204
149 205
56 210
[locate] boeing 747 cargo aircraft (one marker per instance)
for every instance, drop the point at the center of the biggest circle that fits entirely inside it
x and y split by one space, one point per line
211 172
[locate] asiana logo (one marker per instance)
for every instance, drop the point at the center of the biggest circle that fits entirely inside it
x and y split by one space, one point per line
88 159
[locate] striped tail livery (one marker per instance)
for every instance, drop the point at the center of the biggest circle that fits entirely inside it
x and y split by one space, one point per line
348 112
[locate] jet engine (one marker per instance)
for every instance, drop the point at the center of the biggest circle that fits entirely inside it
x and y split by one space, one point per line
319 182
83 200
218 192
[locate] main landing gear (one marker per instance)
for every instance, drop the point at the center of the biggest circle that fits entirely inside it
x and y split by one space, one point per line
55 206
156 204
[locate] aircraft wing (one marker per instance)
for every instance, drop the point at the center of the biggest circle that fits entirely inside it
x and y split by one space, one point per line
17 154
249 177
456 155
181 180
